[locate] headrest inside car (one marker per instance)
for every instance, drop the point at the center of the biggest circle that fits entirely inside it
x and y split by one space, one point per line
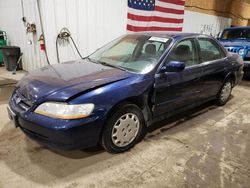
182 50
150 49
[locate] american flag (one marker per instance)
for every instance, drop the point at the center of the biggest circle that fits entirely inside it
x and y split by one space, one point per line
155 15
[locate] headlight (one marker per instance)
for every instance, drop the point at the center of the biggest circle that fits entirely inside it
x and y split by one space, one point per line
242 51
64 110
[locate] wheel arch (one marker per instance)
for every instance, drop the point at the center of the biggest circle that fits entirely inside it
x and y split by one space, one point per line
232 77
140 101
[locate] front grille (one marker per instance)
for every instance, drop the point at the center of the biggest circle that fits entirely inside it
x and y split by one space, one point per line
21 101
234 50
24 106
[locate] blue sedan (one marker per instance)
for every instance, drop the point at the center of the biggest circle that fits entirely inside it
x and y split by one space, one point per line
113 95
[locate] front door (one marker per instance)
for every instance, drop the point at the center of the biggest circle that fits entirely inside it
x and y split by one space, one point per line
174 90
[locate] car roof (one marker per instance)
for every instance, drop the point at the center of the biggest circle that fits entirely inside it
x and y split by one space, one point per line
241 27
171 34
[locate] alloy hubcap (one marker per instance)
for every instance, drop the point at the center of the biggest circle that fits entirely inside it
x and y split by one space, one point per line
226 91
125 130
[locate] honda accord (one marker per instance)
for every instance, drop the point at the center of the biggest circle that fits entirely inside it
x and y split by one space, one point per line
114 94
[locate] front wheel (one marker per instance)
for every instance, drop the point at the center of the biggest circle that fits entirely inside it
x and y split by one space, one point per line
225 93
124 129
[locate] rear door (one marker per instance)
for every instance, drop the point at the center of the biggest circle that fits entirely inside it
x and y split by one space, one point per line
174 90
214 66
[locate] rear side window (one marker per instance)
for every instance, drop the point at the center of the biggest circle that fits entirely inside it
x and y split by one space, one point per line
210 51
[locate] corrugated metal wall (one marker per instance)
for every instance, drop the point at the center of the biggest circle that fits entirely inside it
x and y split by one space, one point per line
10 21
92 24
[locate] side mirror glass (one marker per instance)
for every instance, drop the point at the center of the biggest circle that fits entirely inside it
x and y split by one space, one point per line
173 66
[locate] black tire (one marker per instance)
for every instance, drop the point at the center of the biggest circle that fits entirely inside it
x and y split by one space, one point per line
220 101
107 139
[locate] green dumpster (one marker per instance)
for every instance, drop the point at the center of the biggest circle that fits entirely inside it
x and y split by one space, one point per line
3 42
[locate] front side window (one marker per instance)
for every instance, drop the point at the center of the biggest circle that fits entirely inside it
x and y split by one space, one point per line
139 53
210 51
185 51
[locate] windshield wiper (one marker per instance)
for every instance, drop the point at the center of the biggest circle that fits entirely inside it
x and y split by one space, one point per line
105 64
110 65
91 60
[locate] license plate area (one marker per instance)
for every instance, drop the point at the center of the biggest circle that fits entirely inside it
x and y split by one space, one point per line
12 116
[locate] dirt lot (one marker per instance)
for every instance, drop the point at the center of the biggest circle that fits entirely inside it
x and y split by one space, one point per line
208 147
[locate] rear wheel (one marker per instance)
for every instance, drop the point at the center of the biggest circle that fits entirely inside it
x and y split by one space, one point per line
124 129
225 93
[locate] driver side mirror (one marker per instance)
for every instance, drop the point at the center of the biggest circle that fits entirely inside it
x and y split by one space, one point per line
173 66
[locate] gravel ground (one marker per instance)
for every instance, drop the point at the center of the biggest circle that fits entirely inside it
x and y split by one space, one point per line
206 147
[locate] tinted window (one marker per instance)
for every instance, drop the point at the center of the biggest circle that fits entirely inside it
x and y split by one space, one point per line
231 34
185 51
210 51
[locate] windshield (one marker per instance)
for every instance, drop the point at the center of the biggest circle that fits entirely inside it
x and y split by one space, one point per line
138 53
232 34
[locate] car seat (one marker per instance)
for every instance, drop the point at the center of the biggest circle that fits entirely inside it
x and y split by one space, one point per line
150 49
149 52
183 53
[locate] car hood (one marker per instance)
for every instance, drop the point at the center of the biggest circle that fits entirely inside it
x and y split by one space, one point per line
62 81
235 43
